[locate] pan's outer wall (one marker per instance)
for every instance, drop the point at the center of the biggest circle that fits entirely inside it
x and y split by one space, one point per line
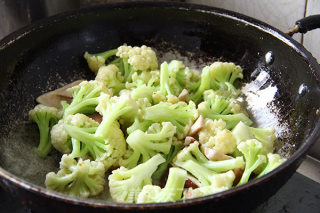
34 56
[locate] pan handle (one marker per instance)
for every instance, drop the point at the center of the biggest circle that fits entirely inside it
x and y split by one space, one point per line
306 24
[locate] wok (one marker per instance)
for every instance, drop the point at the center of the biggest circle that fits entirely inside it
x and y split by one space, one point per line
48 54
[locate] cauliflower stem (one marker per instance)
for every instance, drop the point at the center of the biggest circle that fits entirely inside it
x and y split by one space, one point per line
45 117
171 192
126 184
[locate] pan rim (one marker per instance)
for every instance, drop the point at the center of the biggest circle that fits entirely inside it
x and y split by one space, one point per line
314 67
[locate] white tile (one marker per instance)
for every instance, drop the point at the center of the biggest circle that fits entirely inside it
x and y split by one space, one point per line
280 14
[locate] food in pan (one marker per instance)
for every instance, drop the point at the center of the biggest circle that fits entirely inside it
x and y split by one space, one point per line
161 134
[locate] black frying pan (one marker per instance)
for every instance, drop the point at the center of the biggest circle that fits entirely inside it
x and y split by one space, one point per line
48 54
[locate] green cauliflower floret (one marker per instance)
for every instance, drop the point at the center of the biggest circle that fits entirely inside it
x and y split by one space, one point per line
86 140
114 108
214 135
148 78
85 97
204 85
45 117
111 77
81 129
185 77
171 192
266 136
143 85
81 179
158 139
217 106
158 97
126 184
168 83
193 153
274 160
180 115
174 77
218 76
143 91
224 75
141 58
139 122
95 61
116 144
207 173
209 181
251 150
60 139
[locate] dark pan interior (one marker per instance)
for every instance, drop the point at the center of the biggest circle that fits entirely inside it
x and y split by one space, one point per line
49 55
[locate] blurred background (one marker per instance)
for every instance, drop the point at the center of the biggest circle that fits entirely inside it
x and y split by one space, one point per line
15 14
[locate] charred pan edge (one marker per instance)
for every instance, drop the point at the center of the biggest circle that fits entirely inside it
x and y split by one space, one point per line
308 58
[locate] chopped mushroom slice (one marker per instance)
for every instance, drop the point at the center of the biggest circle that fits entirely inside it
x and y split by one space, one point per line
197 126
95 116
183 95
214 155
238 174
54 97
188 140
189 183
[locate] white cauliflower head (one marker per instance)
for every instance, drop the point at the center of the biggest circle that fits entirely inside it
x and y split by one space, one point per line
214 135
82 178
81 120
116 147
141 58
60 139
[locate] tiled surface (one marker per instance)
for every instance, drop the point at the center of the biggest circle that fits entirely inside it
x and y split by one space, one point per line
281 14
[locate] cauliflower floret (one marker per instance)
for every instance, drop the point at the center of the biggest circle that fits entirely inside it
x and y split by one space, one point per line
210 128
94 62
151 78
111 77
158 97
45 117
126 184
85 97
172 99
180 115
60 138
81 179
214 135
171 192
141 58
220 182
116 145
81 120
143 103
191 76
